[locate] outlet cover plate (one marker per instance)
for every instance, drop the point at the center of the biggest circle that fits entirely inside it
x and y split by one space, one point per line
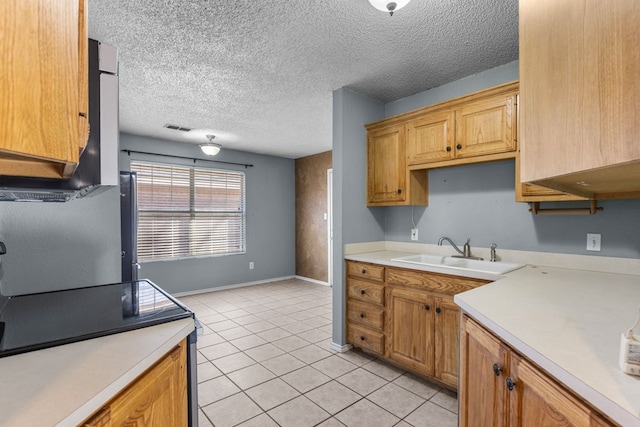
414 234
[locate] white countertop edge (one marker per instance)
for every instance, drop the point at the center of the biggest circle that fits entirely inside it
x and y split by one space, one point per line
581 262
383 258
186 326
599 401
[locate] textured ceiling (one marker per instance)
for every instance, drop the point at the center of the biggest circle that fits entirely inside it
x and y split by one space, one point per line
260 74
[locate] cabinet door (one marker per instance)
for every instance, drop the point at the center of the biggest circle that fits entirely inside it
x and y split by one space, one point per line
483 364
486 127
39 109
157 398
430 139
409 331
386 165
446 340
579 92
538 401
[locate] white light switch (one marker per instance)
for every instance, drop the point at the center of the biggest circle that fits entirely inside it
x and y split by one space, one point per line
593 242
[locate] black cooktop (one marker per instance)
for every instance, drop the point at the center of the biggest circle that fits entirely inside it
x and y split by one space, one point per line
37 321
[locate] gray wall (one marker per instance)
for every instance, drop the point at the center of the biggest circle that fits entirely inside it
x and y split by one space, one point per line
478 201
53 246
475 201
353 222
270 220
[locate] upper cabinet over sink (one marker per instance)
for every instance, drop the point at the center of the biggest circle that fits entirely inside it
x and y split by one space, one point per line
479 127
579 91
44 86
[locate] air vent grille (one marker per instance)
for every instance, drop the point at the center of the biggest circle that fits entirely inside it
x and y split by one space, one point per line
176 127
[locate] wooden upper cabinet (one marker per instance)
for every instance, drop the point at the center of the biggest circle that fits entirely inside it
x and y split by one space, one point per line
431 138
486 127
386 165
389 181
478 127
579 89
44 102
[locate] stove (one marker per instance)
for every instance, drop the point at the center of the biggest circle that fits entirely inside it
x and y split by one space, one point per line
37 321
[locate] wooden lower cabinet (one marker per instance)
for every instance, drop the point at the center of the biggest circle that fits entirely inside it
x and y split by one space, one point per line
410 339
445 330
156 398
407 316
499 387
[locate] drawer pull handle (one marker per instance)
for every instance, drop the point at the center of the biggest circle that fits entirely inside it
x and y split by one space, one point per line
510 383
362 315
427 307
361 337
496 369
363 271
361 291
438 310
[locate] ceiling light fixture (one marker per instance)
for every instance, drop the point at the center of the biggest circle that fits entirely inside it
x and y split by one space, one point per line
389 6
209 148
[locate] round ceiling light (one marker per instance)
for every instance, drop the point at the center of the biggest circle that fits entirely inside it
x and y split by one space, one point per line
210 148
389 6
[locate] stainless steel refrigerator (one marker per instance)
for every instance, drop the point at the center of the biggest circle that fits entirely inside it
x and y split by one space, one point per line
129 226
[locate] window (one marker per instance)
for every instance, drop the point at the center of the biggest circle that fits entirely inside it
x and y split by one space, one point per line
189 212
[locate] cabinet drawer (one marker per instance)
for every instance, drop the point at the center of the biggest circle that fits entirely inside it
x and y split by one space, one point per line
366 271
366 314
365 291
449 285
365 338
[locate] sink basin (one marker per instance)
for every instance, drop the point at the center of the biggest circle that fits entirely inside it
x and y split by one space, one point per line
496 267
460 263
421 259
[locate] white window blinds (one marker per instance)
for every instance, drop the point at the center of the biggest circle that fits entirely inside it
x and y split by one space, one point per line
189 212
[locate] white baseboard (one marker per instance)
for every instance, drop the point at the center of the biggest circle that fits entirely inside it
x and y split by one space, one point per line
317 282
237 285
340 348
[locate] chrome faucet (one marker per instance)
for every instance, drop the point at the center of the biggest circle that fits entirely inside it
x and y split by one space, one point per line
464 253
493 252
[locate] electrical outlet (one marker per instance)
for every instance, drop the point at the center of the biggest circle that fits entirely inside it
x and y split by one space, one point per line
414 234
593 242
251 265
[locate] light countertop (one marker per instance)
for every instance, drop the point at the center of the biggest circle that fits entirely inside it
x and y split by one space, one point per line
568 321
64 385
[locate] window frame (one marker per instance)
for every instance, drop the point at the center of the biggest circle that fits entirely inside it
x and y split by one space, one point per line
192 211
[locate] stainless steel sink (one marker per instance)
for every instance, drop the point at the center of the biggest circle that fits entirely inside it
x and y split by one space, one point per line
460 263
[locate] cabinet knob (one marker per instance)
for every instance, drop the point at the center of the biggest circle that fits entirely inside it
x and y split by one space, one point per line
496 369
448 149
510 383
438 310
427 307
363 271
399 190
459 146
361 291
362 315
361 337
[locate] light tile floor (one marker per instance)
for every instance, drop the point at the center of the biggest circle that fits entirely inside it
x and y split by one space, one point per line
265 360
